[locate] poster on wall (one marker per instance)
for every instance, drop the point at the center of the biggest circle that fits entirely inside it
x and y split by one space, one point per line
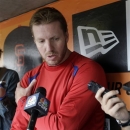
102 34
20 52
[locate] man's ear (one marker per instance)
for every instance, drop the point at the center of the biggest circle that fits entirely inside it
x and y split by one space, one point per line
33 39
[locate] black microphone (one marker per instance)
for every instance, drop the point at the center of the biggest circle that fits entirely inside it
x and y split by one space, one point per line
36 106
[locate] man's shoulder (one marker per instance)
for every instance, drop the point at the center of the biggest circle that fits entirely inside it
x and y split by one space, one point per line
9 71
80 59
32 74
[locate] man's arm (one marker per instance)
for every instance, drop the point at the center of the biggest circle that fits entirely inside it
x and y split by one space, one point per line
69 116
115 107
19 121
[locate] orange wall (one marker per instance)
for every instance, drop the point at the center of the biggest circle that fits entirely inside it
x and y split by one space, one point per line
67 7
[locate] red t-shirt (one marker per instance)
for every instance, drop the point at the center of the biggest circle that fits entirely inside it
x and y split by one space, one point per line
72 105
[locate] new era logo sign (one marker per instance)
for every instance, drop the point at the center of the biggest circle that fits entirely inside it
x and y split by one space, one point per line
93 41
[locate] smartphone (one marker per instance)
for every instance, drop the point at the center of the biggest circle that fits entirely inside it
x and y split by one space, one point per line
126 86
93 86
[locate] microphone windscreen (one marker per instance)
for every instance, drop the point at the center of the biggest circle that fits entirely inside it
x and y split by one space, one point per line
42 90
38 101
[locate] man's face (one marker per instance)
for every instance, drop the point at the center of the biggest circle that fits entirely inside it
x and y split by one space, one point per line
51 42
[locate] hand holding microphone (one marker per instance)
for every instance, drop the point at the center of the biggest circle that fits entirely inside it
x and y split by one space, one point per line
21 92
36 106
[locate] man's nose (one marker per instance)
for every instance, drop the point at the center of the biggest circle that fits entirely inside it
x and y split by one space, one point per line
49 46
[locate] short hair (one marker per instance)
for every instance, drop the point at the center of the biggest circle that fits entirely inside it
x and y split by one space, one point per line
47 15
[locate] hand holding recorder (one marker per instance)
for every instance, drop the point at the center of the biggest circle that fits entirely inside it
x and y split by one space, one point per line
110 103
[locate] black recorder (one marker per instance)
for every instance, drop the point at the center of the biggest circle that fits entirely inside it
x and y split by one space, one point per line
93 86
126 87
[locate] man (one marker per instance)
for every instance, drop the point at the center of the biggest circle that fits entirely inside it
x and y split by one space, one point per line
8 83
115 107
64 75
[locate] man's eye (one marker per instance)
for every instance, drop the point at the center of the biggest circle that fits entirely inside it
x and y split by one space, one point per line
41 41
56 39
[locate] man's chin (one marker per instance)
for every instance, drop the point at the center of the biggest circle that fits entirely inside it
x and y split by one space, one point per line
52 63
